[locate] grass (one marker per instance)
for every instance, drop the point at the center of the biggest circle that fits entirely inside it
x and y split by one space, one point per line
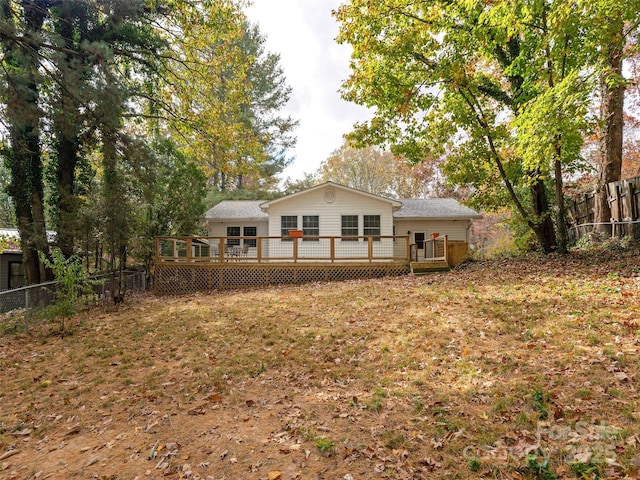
518 368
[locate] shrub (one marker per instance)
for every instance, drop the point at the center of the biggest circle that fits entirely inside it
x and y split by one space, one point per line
72 280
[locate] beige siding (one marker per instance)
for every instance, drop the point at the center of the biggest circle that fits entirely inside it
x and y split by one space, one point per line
330 211
455 229
219 229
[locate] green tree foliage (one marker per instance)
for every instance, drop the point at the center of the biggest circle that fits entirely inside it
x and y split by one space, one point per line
268 93
226 98
613 27
72 282
499 90
21 92
169 195
68 59
293 186
86 88
6 209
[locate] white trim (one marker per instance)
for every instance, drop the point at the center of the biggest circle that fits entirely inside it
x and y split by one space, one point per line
265 206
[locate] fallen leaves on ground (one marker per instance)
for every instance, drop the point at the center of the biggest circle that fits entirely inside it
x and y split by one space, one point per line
499 369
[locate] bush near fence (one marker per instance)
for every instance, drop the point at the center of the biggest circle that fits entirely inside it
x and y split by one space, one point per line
36 298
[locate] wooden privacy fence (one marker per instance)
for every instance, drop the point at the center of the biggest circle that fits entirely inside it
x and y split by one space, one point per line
624 201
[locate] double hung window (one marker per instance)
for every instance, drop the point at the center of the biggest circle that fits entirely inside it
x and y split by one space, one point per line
310 227
250 232
233 232
349 226
288 222
371 225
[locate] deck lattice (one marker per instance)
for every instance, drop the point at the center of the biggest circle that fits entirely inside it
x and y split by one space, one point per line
179 278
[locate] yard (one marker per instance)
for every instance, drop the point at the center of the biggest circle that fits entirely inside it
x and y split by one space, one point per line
519 368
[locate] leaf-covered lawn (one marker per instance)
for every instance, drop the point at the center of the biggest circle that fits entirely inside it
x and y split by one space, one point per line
522 368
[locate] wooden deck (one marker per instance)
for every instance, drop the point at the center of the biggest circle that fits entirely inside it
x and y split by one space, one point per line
421 268
190 264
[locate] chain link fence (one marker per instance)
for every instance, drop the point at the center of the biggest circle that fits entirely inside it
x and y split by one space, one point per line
36 298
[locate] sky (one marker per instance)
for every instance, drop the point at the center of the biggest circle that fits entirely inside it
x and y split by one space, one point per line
303 33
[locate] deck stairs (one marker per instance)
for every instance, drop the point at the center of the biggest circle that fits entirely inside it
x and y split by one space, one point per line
429 266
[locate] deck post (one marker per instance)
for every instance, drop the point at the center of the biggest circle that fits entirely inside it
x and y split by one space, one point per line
220 249
407 250
363 253
446 245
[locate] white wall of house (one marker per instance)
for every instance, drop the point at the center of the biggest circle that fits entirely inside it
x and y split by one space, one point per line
330 204
219 229
330 212
455 229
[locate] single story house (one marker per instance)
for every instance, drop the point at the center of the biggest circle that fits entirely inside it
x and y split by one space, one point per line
335 210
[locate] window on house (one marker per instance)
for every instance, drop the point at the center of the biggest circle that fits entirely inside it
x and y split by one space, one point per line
233 232
311 227
371 225
200 250
16 275
288 222
250 232
349 227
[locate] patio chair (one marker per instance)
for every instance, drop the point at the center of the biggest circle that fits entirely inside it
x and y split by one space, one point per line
245 250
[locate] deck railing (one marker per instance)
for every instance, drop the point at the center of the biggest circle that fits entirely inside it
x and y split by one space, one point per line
330 249
433 250
439 247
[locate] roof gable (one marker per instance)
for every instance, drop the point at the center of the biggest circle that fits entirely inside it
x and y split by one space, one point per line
326 186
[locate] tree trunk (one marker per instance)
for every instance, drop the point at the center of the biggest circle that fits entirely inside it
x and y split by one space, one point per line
116 226
23 117
612 92
66 130
561 211
544 230
67 202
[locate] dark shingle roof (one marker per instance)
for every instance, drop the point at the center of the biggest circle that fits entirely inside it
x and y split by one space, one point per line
412 208
237 210
434 208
